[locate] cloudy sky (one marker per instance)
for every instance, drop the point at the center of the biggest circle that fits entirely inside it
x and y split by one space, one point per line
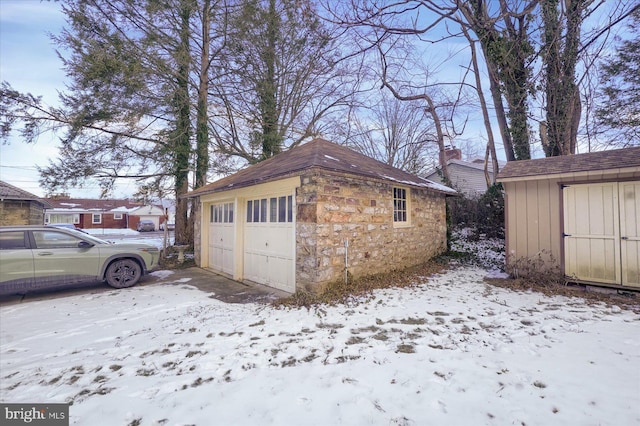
28 61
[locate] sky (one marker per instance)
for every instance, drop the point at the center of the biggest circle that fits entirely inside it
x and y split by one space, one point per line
452 350
28 61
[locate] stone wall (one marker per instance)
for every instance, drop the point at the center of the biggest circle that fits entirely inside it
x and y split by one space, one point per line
334 208
17 212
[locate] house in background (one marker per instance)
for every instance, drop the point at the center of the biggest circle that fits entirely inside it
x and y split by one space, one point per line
306 217
580 213
92 213
467 177
19 207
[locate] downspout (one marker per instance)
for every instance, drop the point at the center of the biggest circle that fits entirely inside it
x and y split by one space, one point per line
346 261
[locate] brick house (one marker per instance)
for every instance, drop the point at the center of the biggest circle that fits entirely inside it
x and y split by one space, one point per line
101 213
297 220
19 207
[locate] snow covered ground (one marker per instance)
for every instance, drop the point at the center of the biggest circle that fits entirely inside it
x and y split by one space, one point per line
453 350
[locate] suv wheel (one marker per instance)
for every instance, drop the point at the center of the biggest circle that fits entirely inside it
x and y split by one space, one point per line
123 273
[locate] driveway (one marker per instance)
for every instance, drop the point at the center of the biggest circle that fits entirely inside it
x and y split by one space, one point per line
218 286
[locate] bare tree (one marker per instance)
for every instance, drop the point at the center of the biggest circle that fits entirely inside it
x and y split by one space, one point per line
286 74
398 133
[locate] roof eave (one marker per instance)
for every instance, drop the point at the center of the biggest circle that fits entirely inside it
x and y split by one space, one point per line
633 171
299 171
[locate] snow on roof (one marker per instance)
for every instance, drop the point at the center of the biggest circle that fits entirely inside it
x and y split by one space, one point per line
425 183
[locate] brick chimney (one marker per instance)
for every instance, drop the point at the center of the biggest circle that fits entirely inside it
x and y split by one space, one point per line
452 154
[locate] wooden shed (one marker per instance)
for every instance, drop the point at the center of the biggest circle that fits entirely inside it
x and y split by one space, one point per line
579 212
305 217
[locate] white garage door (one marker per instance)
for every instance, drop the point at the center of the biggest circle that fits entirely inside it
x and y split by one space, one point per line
601 237
269 242
221 237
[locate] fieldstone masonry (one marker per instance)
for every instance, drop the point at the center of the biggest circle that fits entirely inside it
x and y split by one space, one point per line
334 208
19 212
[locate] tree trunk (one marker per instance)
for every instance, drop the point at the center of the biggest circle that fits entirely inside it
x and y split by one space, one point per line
202 126
560 54
491 147
182 132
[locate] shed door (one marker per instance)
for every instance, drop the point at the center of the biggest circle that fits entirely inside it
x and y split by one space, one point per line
221 237
602 235
630 232
592 234
269 242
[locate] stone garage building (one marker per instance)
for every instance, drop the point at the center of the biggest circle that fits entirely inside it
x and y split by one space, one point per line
577 212
19 207
302 218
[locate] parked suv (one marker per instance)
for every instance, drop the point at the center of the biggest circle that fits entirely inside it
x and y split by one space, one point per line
146 225
34 257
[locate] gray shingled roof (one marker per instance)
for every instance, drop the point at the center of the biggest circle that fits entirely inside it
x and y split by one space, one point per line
10 192
593 161
322 154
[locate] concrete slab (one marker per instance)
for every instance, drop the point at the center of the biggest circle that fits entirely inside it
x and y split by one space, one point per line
220 287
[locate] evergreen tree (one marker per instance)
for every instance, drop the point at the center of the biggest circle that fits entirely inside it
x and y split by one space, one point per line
619 112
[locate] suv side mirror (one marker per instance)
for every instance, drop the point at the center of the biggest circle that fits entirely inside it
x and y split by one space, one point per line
85 244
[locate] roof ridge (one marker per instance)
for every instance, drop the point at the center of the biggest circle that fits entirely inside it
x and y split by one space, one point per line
319 153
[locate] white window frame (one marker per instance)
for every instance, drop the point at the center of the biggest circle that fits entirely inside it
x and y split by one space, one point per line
406 211
93 218
117 216
222 213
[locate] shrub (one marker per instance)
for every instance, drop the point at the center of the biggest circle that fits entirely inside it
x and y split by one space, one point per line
541 270
484 214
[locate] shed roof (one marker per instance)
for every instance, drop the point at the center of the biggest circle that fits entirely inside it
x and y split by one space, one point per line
589 162
10 192
318 153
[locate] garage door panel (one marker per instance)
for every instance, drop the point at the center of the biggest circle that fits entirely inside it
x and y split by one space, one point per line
222 238
269 242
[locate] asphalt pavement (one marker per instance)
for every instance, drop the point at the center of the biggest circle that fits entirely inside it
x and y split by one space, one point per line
218 286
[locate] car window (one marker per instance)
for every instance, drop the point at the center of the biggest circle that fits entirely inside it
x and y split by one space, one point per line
53 239
12 240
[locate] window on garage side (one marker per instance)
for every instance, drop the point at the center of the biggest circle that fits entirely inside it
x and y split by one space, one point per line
400 211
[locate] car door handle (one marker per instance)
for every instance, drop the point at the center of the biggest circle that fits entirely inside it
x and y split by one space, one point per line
45 253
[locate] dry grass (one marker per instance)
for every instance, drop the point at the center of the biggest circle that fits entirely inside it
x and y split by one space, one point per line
549 283
341 292
611 297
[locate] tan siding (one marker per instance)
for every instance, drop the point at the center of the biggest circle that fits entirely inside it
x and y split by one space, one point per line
532 235
544 215
555 220
533 219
